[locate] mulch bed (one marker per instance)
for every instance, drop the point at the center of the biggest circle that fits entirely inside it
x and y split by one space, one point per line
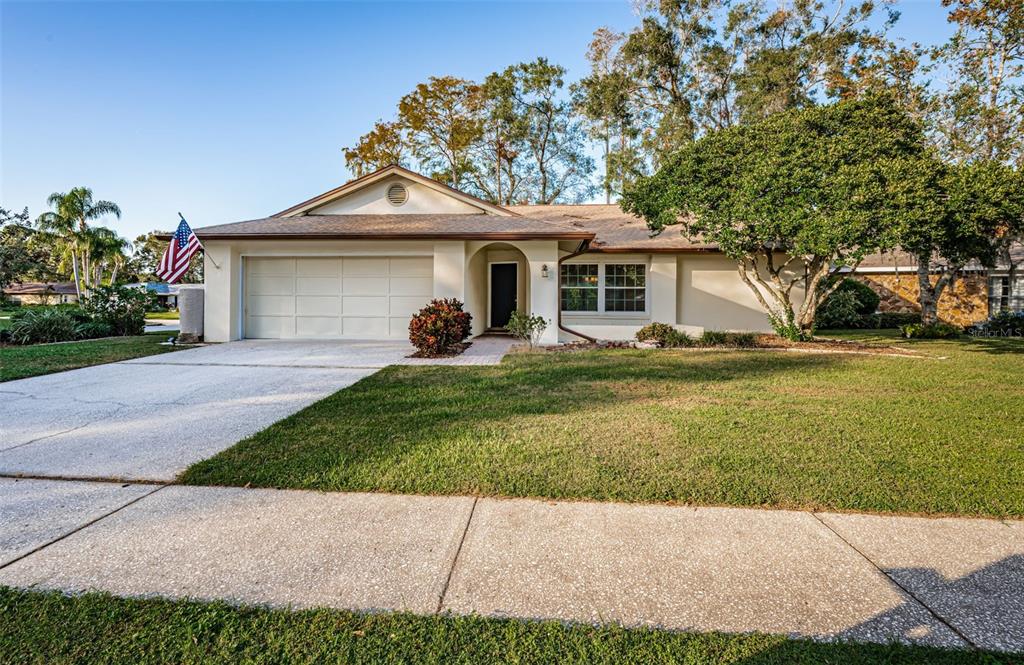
764 341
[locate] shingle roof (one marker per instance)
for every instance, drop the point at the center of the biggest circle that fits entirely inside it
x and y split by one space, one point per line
377 226
615 230
905 260
41 288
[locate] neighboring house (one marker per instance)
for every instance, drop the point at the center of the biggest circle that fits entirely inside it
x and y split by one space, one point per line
166 294
360 260
977 293
41 293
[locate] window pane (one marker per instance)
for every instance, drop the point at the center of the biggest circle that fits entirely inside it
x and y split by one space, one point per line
624 287
625 300
579 274
576 299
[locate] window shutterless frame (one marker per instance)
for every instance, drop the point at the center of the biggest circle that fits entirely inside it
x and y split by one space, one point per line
624 281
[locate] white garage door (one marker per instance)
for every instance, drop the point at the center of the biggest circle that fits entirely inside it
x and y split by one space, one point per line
360 297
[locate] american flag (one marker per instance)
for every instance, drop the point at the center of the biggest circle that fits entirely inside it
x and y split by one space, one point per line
175 261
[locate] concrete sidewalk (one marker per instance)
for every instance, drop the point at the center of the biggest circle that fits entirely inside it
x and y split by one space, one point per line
946 582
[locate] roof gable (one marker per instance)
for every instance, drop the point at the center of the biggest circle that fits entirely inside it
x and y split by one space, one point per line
369 195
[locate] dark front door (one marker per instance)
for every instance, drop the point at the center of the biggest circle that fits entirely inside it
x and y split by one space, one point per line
503 293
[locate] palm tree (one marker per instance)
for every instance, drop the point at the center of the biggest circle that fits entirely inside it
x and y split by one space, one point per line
70 217
107 251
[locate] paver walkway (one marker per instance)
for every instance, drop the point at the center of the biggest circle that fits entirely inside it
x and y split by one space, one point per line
948 582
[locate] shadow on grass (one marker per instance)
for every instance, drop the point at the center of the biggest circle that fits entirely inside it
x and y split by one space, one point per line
994 345
389 416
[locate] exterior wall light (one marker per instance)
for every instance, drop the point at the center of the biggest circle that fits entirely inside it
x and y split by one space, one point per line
544 271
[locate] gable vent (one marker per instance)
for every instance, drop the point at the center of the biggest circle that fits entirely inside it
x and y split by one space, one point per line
397 194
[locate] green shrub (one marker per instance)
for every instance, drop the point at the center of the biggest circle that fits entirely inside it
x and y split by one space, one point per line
94 329
37 326
1002 324
847 306
527 327
663 335
739 340
931 331
712 338
437 328
122 308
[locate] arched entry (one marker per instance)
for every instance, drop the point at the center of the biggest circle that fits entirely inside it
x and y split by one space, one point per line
497 283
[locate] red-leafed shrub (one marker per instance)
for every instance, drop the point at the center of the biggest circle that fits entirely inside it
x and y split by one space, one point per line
439 328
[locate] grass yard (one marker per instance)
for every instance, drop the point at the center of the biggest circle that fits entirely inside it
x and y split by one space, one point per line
52 628
171 315
19 362
754 428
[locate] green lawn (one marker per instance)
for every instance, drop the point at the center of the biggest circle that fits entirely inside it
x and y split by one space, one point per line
754 428
162 316
94 628
18 362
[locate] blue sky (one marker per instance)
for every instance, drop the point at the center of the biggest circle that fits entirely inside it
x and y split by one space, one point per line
233 110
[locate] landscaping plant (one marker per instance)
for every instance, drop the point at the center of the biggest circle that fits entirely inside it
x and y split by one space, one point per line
122 308
38 326
847 306
1002 324
930 331
439 328
527 327
665 335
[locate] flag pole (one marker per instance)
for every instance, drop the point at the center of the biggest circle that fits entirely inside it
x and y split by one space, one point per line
182 217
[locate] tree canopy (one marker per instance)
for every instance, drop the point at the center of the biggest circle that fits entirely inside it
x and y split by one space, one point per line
796 197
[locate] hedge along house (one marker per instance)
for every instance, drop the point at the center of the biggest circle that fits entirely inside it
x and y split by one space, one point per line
358 261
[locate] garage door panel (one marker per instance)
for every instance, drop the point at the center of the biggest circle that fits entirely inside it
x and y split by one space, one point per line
365 286
365 326
405 305
398 326
275 266
270 285
412 266
411 286
271 305
364 305
317 267
318 326
317 286
369 297
365 265
318 306
270 327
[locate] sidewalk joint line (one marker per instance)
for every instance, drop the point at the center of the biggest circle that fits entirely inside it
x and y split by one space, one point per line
79 528
260 365
455 559
905 590
13 475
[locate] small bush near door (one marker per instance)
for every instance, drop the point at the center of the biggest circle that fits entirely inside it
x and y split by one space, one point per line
527 327
440 328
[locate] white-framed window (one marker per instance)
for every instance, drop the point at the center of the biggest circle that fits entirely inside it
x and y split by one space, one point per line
625 287
578 287
612 288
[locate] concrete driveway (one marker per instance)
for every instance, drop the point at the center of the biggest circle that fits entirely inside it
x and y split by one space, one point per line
150 418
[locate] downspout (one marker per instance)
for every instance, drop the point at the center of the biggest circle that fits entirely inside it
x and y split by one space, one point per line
582 249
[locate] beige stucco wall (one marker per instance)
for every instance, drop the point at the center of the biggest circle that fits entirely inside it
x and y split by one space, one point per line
712 296
373 200
694 292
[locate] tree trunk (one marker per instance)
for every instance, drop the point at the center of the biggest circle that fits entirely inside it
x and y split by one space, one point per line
74 267
926 294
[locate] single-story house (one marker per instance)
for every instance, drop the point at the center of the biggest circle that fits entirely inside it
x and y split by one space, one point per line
42 293
977 293
166 294
358 261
